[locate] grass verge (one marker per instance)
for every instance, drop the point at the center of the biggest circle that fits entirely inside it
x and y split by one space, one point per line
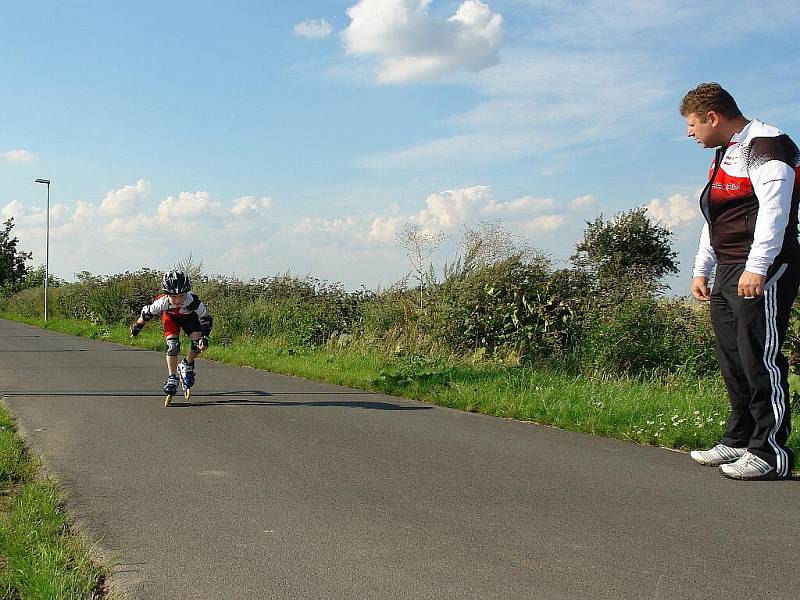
40 557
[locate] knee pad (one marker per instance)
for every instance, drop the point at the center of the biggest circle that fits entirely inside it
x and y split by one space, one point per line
173 347
195 346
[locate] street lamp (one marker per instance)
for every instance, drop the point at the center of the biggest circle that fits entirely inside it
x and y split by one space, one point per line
46 247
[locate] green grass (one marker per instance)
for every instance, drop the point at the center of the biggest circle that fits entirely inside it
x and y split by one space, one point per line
40 557
674 415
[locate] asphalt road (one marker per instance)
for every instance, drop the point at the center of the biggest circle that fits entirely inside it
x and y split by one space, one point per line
266 486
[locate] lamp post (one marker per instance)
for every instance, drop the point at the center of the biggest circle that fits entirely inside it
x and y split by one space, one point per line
46 247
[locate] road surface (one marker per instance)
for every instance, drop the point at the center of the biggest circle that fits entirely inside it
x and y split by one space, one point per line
267 486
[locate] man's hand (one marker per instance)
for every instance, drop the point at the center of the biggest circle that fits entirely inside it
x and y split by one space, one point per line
751 284
136 328
203 343
700 289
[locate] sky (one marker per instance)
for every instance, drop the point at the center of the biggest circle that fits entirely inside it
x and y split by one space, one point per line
266 137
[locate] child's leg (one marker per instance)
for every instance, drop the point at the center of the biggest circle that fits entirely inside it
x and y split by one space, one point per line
194 349
173 354
172 333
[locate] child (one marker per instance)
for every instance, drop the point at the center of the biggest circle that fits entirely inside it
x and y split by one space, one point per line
179 309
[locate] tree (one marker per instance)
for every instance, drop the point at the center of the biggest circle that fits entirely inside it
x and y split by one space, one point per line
627 247
12 261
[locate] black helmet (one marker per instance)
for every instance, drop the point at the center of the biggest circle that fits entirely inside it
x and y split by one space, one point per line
176 282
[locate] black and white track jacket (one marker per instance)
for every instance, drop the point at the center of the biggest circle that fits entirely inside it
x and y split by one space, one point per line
750 202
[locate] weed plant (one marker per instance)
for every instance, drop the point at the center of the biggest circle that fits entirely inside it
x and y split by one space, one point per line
41 557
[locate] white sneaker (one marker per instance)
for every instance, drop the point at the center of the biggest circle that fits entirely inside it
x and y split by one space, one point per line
718 455
749 467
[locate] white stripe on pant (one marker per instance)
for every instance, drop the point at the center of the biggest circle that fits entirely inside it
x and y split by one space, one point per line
778 399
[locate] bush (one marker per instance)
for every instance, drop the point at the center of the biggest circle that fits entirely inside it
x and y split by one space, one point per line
28 302
642 335
511 306
516 308
387 314
301 311
108 300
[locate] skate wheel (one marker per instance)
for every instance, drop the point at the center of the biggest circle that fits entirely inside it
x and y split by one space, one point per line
167 400
187 393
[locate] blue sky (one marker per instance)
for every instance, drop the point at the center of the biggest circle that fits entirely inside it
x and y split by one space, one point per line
265 137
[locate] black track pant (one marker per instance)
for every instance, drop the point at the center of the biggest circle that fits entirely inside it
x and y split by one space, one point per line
749 334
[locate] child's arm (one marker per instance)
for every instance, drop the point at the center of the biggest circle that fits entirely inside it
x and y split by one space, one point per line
137 327
148 312
206 322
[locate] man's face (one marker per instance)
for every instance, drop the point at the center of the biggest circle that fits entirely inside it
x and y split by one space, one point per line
177 299
703 129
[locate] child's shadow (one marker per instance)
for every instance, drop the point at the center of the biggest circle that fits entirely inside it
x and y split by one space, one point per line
250 398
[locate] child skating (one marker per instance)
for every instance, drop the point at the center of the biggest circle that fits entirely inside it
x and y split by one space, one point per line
179 309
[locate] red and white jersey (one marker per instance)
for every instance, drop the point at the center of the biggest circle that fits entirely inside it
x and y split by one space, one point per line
192 304
750 202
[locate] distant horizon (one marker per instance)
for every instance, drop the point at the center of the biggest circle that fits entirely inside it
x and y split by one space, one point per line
442 258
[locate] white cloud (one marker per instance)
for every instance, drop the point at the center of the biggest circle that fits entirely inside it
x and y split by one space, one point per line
546 223
524 204
18 156
453 208
414 45
443 212
125 200
385 229
188 206
344 229
584 202
676 211
12 210
130 225
313 29
129 232
249 205
447 211
59 213
319 225
342 234
84 213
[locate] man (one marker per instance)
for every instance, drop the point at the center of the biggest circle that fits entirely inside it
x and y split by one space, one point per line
750 206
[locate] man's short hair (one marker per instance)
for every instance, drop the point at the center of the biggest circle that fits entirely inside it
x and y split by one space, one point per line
707 97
